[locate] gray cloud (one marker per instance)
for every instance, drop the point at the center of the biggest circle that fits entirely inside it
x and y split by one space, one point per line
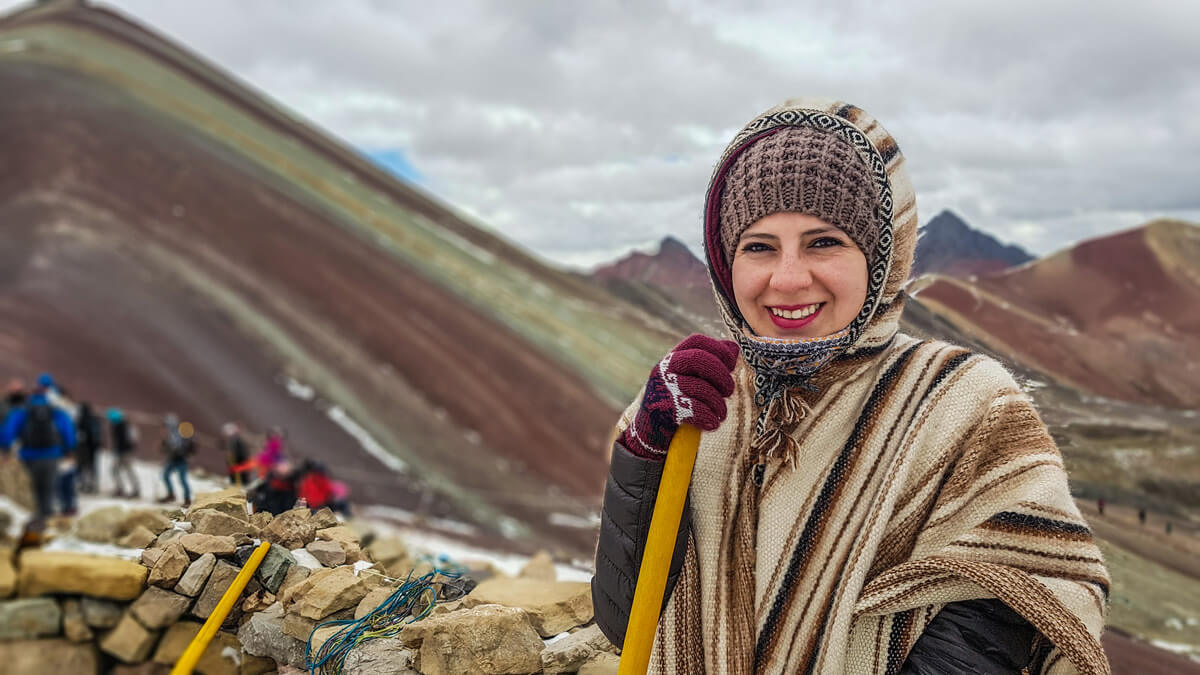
583 129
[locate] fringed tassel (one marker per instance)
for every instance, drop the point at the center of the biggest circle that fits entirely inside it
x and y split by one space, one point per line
773 431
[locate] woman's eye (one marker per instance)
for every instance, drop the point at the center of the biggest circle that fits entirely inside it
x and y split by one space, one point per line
826 242
755 246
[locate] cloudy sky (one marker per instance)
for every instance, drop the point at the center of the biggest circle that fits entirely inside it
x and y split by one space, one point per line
584 129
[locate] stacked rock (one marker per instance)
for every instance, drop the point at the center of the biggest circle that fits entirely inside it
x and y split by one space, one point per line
81 613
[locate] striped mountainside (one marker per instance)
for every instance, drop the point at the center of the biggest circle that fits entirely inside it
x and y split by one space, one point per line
1114 316
173 240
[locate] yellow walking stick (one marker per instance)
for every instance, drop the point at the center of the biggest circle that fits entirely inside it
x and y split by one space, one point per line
660 545
191 655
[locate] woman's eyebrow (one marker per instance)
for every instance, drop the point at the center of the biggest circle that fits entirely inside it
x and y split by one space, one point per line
759 235
822 230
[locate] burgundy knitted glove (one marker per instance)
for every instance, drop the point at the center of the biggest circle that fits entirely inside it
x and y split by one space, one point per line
690 385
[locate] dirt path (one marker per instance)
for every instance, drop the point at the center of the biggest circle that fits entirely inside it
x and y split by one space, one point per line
1133 657
1178 551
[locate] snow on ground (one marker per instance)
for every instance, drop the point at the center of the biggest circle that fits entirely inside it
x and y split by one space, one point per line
1190 651
389 521
348 424
432 543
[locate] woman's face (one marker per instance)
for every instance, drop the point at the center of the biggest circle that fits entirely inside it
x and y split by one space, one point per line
798 276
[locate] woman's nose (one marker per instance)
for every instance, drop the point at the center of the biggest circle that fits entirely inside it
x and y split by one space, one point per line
793 274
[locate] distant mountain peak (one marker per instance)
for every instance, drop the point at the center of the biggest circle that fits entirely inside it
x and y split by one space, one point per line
948 245
671 245
946 220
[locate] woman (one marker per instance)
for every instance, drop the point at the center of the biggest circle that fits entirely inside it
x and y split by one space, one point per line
862 501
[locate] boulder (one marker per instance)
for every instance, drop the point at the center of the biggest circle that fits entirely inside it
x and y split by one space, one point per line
385 656
302 628
112 523
220 657
150 556
539 568
29 618
291 529
8 574
570 653
393 555
170 566
355 554
167 537
257 602
196 575
330 591
373 599
222 576
328 553
262 635
274 567
297 626
46 572
129 641
144 668
306 559
197 544
102 525
603 663
342 534
261 519
324 518
100 613
75 627
230 501
257 665
553 607
296 575
153 520
138 537
485 639
57 656
211 521
158 608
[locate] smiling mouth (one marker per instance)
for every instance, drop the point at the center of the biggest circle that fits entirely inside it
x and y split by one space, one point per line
796 313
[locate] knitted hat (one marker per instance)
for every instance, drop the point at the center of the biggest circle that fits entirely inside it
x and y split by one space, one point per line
805 170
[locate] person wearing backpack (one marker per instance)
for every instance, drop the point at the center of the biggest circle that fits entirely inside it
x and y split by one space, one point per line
89 437
178 446
124 441
46 434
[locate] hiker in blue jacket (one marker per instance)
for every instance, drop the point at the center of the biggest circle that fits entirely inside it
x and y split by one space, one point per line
47 434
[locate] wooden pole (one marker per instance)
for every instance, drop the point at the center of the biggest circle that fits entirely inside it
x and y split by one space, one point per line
660 545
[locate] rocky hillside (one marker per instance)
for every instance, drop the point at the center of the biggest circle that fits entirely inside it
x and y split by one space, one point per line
176 241
671 284
1114 316
949 246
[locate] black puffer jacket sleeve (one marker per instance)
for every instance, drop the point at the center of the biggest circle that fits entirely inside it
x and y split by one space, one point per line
629 496
976 637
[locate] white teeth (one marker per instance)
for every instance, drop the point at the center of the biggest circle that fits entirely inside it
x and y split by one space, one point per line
795 313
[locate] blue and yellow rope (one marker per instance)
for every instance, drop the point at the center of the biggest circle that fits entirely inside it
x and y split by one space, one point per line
412 601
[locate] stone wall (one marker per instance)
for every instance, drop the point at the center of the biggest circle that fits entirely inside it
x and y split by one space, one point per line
65 612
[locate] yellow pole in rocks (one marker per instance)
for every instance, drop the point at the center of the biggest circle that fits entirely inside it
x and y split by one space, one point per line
660 545
194 650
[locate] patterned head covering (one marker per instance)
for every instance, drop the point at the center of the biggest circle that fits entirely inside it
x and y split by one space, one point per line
831 160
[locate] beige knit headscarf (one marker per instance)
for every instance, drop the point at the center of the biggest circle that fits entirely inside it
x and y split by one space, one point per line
812 157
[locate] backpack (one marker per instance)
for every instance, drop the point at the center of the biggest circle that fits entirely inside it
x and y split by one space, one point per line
40 432
122 443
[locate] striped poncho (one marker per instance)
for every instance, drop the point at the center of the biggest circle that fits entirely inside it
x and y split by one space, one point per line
926 477
922 476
